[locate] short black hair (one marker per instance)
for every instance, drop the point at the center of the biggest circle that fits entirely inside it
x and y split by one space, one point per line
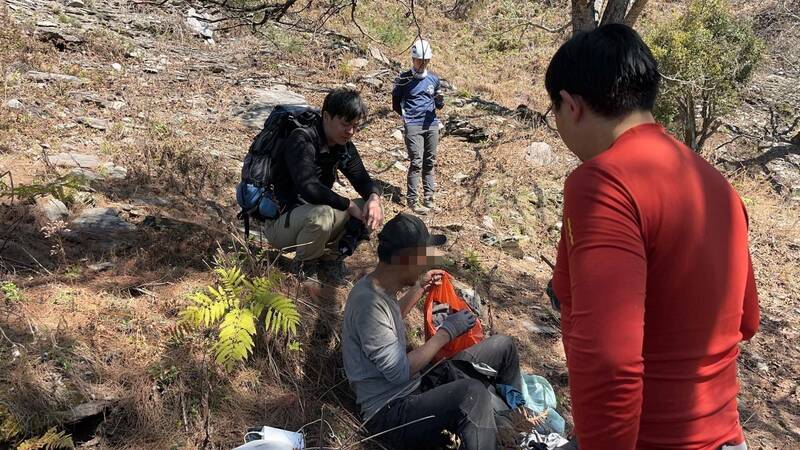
610 68
346 103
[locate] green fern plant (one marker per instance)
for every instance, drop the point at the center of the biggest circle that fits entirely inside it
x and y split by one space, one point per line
234 307
63 188
51 440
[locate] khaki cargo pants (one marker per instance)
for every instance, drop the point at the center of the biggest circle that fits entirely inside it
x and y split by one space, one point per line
307 230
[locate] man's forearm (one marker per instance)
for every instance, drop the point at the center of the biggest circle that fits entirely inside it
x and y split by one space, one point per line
420 357
410 298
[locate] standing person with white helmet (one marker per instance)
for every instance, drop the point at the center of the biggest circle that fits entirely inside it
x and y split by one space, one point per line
416 96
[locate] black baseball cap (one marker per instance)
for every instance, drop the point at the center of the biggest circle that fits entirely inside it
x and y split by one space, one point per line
405 231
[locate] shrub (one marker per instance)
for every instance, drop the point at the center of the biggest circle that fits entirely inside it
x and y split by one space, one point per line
706 56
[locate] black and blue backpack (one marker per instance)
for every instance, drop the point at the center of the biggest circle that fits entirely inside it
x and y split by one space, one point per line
255 194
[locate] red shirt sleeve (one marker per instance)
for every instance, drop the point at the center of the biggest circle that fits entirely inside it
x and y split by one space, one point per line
604 325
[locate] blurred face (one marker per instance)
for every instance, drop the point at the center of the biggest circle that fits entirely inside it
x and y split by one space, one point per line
338 130
420 64
414 262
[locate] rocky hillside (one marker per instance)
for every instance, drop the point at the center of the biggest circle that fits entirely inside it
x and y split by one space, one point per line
138 123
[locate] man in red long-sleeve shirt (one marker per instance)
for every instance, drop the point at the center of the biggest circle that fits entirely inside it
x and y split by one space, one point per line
654 276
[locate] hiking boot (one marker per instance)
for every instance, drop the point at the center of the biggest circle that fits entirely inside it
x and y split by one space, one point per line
432 206
420 209
336 272
305 270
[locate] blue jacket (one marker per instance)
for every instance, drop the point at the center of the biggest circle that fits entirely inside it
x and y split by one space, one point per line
414 99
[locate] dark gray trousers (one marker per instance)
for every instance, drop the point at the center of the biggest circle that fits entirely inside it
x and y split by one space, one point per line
421 143
460 402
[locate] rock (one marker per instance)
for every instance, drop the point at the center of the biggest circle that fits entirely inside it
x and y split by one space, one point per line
200 24
52 208
538 328
459 177
44 77
378 54
400 166
91 122
117 67
264 102
786 177
115 105
74 160
462 128
86 174
469 295
374 82
135 54
151 70
14 104
46 24
100 222
60 40
540 154
358 63
87 410
99 267
112 171
492 183
75 4
84 198
398 135
488 223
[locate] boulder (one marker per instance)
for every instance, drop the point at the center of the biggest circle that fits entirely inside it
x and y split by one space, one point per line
786 177
100 222
75 4
264 101
200 24
540 154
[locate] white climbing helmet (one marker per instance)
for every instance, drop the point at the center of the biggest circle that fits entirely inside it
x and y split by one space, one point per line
421 49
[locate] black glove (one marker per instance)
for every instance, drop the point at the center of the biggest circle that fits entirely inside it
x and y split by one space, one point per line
459 323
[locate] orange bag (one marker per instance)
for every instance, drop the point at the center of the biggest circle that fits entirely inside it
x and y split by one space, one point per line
445 293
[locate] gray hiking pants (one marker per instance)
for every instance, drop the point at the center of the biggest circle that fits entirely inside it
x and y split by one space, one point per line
421 143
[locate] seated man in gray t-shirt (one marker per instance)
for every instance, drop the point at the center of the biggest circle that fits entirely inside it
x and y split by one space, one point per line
389 385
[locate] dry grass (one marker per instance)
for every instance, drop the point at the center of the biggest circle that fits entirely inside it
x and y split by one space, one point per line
110 334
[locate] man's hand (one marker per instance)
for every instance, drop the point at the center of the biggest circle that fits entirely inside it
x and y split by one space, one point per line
372 214
458 323
429 279
355 211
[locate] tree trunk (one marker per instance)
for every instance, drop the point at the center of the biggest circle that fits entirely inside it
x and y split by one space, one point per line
615 11
636 10
583 16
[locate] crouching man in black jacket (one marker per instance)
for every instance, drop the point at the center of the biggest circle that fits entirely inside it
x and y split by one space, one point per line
306 168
